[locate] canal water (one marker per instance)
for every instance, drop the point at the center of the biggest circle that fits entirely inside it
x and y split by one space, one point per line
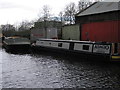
56 71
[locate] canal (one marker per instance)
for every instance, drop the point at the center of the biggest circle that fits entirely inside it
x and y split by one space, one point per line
56 71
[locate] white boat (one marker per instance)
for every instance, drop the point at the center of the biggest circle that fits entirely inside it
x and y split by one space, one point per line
82 48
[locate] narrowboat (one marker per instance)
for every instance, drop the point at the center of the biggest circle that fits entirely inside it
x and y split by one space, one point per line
98 50
16 44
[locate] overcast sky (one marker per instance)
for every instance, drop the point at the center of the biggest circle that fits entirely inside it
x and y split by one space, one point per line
15 11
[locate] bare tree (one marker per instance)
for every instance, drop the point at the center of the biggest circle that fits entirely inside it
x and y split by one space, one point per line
45 14
61 17
69 13
25 25
82 4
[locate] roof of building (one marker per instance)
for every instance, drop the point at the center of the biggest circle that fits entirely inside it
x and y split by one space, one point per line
100 7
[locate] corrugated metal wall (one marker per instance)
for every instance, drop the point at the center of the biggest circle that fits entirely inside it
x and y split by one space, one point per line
40 33
101 31
71 32
37 33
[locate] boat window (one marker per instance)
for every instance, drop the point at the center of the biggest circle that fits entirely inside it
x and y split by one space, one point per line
85 47
59 44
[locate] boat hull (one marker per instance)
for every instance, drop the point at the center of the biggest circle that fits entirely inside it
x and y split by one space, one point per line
23 48
115 58
16 44
71 53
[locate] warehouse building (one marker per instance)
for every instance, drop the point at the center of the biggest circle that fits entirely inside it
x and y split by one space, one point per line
48 29
100 22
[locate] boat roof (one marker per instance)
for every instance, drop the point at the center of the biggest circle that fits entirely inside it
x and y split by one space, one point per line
75 41
100 7
59 40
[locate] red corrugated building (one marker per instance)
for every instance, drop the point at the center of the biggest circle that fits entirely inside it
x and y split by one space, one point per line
100 22
107 31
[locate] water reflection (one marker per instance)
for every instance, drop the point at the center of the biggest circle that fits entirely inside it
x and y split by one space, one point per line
56 71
